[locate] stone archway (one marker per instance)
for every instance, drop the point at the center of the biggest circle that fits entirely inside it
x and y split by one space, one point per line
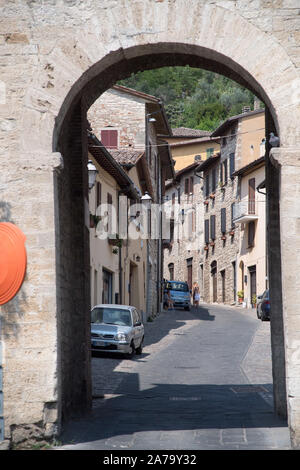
68 66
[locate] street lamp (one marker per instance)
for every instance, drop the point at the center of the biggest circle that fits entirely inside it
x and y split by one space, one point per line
147 200
92 170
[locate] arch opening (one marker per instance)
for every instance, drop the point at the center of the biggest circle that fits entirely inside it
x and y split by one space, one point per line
70 139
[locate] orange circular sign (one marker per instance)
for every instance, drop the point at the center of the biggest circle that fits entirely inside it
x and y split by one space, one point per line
13 261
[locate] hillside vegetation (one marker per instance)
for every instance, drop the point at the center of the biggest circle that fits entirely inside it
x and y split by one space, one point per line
193 98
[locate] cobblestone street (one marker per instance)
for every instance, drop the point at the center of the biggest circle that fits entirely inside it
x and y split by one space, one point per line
204 381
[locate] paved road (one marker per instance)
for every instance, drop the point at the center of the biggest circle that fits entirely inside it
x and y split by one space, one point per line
203 382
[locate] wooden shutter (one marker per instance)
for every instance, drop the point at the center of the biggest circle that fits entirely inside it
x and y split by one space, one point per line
221 173
109 203
178 195
191 184
207 185
251 232
173 198
232 213
213 180
206 231
213 227
251 196
98 195
225 164
186 186
223 220
232 164
109 138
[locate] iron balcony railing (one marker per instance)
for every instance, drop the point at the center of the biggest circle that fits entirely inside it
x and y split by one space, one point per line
245 210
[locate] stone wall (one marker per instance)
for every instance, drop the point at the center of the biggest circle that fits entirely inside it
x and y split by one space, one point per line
53 54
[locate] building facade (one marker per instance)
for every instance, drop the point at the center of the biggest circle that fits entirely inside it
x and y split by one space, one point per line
242 140
249 212
127 120
183 248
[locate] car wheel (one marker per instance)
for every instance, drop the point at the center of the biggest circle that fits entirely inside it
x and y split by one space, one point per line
131 352
139 350
257 313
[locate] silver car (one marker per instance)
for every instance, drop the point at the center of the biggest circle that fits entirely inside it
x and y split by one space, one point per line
117 329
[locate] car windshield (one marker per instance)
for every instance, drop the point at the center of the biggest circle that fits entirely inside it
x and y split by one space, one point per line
111 316
178 286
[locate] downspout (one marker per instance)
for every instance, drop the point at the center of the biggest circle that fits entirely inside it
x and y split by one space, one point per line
120 257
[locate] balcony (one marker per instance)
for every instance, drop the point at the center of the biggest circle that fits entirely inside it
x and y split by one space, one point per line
245 211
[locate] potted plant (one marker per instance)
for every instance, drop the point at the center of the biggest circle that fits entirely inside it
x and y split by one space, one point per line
94 220
206 202
212 196
231 233
115 251
223 237
253 300
240 295
115 240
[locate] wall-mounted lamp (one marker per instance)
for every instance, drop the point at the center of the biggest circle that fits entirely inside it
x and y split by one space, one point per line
147 200
92 174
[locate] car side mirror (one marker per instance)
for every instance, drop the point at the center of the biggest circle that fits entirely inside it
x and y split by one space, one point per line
138 323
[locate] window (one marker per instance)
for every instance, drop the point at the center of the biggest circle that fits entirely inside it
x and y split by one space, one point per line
223 220
98 194
171 271
178 195
213 227
109 203
207 185
186 186
172 225
209 152
232 216
221 174
251 233
225 168
231 164
189 185
213 180
109 138
206 231
251 196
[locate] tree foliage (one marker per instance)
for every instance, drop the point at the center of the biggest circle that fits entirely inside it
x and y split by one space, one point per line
193 97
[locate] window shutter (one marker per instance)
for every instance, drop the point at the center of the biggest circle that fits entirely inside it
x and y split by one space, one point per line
186 186
213 227
221 173
98 197
207 185
109 138
206 231
178 195
173 198
232 164
213 180
225 171
251 196
192 184
251 231
232 214
223 220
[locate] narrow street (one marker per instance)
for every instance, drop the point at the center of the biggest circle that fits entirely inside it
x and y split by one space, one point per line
203 382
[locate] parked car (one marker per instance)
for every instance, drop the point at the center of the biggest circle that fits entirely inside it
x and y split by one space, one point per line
117 329
263 306
180 294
